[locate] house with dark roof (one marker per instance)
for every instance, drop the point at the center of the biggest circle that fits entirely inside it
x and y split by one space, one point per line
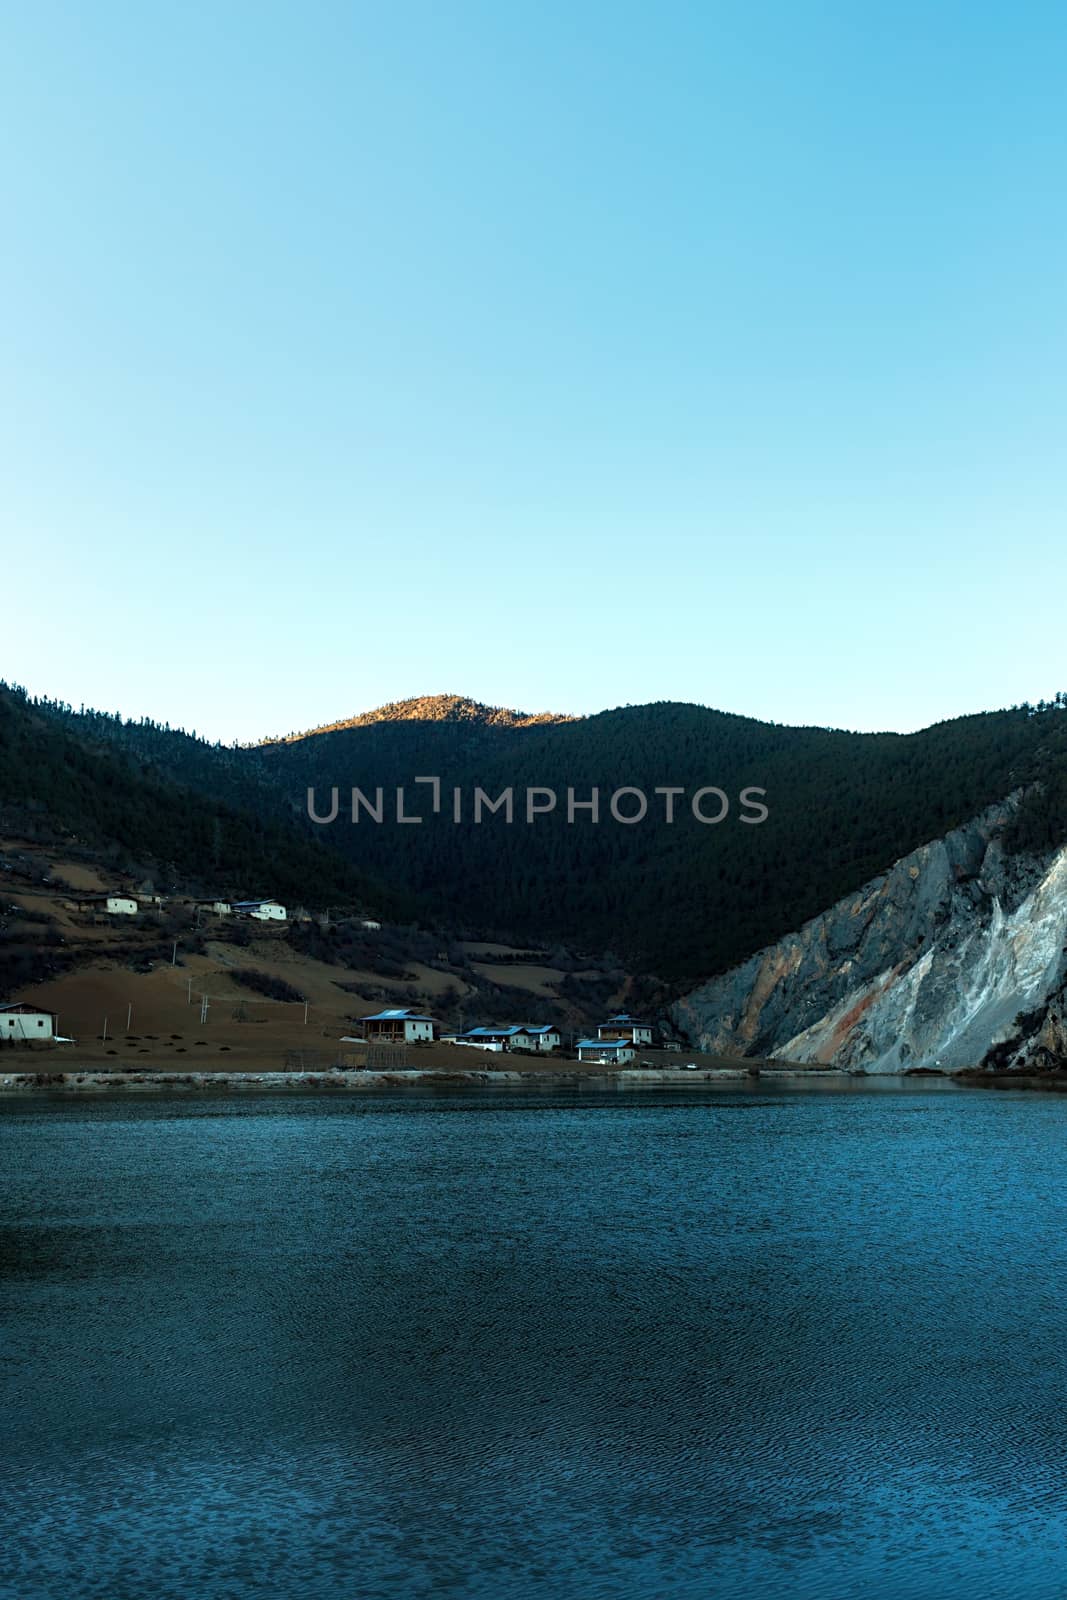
21 1021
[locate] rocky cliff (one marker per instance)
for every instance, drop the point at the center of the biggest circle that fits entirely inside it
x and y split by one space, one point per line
955 952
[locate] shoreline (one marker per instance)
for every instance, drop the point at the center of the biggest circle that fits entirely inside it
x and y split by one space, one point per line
355 1081
1053 1081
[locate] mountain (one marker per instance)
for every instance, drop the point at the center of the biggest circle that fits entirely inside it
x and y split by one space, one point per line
685 900
956 956
452 708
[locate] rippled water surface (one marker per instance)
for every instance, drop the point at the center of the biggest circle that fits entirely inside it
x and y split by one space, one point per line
744 1345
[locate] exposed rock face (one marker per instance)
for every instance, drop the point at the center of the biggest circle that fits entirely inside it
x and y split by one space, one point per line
927 965
1048 1047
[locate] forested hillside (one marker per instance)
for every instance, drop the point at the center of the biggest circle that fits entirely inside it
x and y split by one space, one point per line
54 779
684 900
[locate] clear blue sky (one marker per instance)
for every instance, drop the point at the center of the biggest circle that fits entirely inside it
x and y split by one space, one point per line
559 354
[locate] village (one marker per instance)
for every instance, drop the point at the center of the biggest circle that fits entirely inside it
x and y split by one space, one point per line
164 976
617 1043
128 903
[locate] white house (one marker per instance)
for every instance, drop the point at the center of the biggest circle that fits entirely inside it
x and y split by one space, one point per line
20 1021
623 1026
117 905
370 924
610 1052
481 1038
513 1036
262 910
398 1026
537 1036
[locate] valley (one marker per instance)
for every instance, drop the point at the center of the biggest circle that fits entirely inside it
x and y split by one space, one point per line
900 906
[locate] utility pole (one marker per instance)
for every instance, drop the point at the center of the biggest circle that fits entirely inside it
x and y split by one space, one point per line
203 1008
174 954
105 1031
189 992
305 1013
129 1015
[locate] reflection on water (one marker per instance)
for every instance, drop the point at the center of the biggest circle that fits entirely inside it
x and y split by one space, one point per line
721 1345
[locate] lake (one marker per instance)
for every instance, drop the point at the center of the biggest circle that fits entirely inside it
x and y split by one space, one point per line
720 1344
